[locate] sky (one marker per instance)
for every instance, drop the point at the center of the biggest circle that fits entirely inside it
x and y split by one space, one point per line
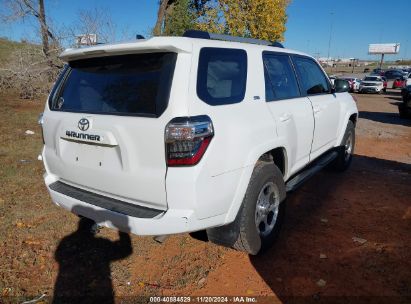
351 24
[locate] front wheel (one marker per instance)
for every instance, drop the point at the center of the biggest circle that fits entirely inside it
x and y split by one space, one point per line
346 149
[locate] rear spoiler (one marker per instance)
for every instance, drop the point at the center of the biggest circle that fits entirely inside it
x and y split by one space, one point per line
156 44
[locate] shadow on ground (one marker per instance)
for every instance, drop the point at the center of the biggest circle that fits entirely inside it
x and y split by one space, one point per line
393 92
84 263
384 117
370 201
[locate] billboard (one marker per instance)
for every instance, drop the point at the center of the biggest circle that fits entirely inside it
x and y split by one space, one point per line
385 48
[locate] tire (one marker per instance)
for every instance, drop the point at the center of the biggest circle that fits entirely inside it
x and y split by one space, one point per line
264 199
402 111
346 149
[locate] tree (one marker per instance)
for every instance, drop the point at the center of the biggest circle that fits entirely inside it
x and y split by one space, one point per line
262 19
176 16
94 21
179 18
21 9
161 15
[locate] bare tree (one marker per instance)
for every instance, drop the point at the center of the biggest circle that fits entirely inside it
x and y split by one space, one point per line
27 72
21 9
96 21
31 70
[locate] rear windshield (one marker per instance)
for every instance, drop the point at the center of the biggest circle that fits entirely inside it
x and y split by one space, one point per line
137 84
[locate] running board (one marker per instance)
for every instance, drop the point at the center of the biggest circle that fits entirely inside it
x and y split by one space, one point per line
301 177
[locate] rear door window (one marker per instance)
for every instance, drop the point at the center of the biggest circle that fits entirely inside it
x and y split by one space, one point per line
137 84
280 80
312 78
222 75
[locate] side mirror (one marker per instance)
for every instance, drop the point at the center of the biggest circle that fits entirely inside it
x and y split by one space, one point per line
341 85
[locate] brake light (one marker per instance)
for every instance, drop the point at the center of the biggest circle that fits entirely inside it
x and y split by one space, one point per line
187 139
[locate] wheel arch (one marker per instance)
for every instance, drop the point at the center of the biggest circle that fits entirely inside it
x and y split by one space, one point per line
279 157
350 116
353 117
274 152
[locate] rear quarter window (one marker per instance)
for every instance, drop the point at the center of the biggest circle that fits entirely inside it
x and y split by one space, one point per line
222 75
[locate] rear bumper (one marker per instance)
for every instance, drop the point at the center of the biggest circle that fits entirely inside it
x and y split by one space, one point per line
172 221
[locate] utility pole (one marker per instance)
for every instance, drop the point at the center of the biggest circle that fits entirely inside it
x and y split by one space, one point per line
331 32
382 60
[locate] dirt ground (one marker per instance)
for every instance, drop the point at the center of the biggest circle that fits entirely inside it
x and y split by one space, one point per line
346 236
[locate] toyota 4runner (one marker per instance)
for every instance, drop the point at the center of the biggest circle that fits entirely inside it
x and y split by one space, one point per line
181 134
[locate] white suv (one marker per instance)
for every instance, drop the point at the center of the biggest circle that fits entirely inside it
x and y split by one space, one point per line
181 134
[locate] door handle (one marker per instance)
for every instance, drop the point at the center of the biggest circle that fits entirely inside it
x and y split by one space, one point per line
285 117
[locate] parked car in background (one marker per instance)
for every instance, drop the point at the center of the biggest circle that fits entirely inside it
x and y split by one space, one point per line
405 72
377 71
371 84
406 93
405 108
356 85
353 82
366 70
332 78
408 80
393 74
384 83
398 83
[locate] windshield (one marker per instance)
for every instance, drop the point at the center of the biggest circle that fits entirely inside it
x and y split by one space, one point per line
371 79
136 84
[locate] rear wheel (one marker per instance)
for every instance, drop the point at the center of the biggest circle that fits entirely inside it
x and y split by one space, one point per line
346 149
262 212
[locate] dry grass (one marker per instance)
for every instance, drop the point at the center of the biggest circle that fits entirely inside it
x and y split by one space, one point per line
30 225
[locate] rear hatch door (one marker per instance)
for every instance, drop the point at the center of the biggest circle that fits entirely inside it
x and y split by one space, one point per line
105 128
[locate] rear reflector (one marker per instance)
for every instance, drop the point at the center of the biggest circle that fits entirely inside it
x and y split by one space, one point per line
187 139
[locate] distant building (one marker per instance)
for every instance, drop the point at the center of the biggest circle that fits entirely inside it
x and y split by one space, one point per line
345 62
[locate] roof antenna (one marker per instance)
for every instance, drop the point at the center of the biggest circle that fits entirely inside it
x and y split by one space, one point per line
138 37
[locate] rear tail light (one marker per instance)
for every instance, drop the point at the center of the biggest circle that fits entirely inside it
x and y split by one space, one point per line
187 139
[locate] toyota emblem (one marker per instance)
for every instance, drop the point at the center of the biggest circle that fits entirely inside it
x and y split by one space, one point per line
83 124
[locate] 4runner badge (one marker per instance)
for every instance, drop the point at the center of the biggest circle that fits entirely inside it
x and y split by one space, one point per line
83 124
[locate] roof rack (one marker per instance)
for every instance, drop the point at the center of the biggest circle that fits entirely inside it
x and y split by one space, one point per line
207 35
